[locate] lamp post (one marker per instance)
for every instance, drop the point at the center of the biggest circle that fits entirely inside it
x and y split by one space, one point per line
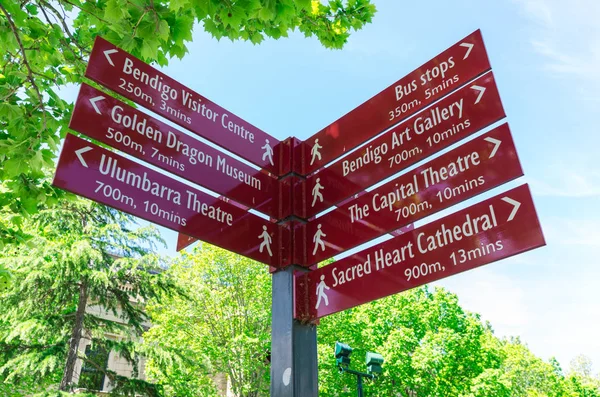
373 361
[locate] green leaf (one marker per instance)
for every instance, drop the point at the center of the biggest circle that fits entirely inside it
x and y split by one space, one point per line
233 16
114 11
150 49
128 43
30 204
163 30
181 29
10 112
303 4
211 27
175 5
37 160
15 166
178 51
266 14
256 38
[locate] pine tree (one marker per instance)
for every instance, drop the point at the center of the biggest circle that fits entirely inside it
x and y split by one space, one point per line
78 253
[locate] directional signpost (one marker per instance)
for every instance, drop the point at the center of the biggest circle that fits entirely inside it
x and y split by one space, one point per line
443 74
475 106
96 173
148 87
274 210
473 168
110 121
502 226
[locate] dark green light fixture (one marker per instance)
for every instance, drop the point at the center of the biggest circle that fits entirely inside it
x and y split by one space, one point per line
374 362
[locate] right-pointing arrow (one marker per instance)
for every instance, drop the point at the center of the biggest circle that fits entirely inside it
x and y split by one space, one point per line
516 206
469 47
481 91
79 153
496 144
107 55
93 102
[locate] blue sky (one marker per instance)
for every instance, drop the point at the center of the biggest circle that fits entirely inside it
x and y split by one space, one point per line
545 55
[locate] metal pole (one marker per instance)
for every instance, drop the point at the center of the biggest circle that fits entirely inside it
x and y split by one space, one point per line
293 345
360 389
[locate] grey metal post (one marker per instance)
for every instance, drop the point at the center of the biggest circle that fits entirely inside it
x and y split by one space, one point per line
293 345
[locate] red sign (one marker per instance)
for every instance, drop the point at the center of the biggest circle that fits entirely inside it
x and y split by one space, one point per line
100 175
472 168
110 121
443 74
123 73
475 106
184 241
486 232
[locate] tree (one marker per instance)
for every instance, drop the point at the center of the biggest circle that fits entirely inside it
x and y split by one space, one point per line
581 365
79 253
430 345
527 374
223 326
45 44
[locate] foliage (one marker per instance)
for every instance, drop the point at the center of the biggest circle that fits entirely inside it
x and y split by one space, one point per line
80 255
44 45
433 348
430 345
222 328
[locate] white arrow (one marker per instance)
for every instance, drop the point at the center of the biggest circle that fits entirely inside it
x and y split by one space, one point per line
93 102
81 151
514 203
469 48
495 142
481 91
107 55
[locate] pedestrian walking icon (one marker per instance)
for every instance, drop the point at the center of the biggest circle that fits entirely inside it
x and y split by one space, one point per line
266 241
317 239
316 192
268 152
315 152
321 287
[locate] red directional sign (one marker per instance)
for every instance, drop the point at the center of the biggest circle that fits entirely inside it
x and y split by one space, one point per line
109 120
123 73
184 241
486 232
473 168
100 175
443 74
475 106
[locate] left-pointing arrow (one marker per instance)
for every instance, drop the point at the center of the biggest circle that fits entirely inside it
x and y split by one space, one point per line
516 206
107 55
93 102
79 153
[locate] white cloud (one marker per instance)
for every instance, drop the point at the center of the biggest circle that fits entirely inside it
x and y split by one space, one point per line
578 232
493 295
570 173
537 9
568 35
567 182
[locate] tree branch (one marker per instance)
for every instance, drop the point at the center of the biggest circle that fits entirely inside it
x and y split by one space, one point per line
86 11
26 62
65 27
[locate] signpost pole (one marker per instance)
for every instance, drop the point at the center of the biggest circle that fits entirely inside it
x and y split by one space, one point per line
293 344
